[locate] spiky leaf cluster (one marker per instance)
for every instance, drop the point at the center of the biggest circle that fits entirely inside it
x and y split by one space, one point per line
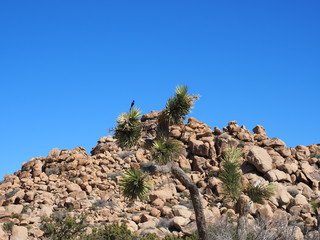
135 184
231 172
165 150
259 192
128 130
179 106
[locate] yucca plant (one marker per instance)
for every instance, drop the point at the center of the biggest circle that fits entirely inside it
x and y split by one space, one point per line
128 130
164 151
135 184
259 191
179 106
231 173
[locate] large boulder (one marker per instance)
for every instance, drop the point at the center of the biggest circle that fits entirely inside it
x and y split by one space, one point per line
19 233
260 158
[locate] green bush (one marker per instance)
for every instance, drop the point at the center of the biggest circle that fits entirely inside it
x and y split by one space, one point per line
164 151
259 192
121 232
231 173
128 130
135 184
11 194
61 226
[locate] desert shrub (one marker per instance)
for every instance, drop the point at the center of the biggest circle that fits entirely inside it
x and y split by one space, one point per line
165 223
231 172
11 194
164 151
125 154
179 106
25 209
7 226
121 232
61 226
111 232
135 184
279 228
128 130
259 191
52 170
315 155
100 203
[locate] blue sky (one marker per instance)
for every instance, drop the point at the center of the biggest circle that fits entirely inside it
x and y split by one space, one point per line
69 68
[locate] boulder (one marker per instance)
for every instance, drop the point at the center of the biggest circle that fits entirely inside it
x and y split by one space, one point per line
19 233
260 158
259 130
179 222
277 175
183 211
274 142
199 148
71 187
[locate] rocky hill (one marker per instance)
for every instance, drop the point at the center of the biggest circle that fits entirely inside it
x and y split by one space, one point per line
74 180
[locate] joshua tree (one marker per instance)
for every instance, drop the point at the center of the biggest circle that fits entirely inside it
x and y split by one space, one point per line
234 190
231 179
164 151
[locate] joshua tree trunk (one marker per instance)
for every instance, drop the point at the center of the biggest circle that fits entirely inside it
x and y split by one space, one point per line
196 200
193 189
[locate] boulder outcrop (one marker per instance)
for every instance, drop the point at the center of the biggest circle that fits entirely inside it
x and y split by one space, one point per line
72 179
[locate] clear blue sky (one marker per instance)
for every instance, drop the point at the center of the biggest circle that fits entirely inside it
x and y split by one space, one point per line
69 68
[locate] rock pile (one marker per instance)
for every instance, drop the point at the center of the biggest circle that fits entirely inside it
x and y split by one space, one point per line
80 182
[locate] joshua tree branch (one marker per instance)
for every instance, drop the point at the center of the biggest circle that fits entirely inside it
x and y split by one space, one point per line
196 200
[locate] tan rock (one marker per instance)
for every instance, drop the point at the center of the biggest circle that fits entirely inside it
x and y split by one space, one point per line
136 218
274 142
166 192
36 232
29 196
140 156
311 173
71 187
306 190
155 212
283 151
190 228
297 233
198 163
259 130
146 217
199 148
46 210
148 224
37 168
281 194
265 211
179 222
260 158
175 132
303 149
158 202
131 225
180 210
277 175
300 200
5 185
19 233
166 212
11 209
184 163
